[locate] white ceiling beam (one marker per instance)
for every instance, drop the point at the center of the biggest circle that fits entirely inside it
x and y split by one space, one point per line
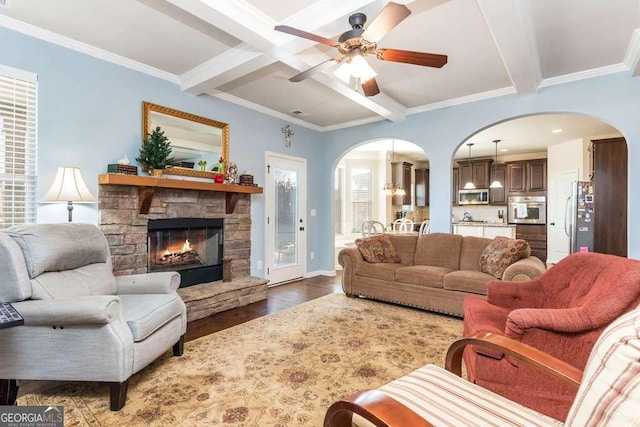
227 67
381 104
511 25
261 48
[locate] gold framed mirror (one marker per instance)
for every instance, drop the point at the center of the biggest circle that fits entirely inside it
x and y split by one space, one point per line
192 137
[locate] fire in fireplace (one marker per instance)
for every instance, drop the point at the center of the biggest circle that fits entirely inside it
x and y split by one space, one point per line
191 246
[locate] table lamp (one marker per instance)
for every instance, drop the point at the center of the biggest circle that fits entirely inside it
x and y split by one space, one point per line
68 186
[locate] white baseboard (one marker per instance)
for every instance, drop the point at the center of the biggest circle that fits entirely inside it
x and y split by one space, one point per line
329 273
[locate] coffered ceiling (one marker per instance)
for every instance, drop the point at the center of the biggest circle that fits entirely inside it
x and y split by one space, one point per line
229 49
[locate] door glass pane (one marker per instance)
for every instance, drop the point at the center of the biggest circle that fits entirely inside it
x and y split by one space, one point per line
286 217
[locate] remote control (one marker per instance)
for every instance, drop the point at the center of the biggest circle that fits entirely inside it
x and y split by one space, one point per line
9 316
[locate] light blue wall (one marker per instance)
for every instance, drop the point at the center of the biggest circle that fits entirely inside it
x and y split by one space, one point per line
90 112
614 99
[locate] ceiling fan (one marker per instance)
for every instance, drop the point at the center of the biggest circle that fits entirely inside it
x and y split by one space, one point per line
358 42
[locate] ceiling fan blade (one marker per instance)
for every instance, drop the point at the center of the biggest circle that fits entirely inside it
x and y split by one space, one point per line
370 87
308 73
408 57
391 15
305 35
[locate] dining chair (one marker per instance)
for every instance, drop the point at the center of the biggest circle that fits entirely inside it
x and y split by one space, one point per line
403 224
369 228
424 227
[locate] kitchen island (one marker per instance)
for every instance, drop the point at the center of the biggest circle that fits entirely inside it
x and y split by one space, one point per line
488 230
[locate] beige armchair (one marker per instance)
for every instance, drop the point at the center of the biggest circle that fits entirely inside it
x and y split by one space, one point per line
81 323
608 389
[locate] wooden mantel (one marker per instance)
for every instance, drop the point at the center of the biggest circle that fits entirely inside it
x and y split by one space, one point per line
148 184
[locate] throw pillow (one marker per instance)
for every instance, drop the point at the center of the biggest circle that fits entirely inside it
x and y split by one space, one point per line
501 253
377 249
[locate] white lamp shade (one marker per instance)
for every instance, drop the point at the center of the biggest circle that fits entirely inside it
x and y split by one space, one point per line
344 72
68 186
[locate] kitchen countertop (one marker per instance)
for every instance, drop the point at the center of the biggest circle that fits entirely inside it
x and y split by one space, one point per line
483 224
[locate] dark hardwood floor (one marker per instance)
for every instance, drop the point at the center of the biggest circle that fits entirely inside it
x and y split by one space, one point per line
278 298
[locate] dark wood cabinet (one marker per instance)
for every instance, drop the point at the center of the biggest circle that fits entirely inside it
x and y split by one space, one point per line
477 171
516 178
401 173
498 196
481 173
537 175
456 184
536 236
421 186
609 158
527 176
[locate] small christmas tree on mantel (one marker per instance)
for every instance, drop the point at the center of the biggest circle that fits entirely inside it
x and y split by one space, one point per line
155 152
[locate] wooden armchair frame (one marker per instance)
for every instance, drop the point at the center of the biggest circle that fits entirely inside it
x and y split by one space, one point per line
383 411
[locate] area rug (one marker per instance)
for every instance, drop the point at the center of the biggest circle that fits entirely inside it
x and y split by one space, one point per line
284 369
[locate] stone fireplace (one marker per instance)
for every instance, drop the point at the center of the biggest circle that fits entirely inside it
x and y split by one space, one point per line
126 228
128 205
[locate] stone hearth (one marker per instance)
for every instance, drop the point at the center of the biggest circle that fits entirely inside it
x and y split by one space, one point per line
126 231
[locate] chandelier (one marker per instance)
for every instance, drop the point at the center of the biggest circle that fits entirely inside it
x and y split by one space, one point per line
391 188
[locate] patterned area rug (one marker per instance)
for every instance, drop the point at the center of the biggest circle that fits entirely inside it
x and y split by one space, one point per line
284 369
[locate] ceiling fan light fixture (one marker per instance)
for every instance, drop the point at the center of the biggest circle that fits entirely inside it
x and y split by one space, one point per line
344 72
361 69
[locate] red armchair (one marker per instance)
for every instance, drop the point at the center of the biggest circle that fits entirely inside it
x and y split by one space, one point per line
561 313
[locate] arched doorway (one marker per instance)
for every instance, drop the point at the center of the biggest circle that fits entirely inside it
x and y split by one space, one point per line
360 176
567 142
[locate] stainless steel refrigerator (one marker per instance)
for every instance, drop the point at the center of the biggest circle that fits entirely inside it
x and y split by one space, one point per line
579 216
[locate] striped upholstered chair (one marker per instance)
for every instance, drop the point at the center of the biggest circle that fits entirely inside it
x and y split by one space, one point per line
608 389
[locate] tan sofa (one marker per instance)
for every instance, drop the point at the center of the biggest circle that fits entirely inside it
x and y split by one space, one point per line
436 271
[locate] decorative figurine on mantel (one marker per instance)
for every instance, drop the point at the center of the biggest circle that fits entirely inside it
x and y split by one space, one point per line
232 174
220 168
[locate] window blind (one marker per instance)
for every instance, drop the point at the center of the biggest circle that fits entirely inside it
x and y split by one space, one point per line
18 147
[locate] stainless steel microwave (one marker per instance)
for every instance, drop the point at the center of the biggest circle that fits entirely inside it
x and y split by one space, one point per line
527 210
479 196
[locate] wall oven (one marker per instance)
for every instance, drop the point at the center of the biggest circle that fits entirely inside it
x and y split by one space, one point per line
527 210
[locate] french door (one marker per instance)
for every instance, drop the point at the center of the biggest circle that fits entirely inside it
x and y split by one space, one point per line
286 203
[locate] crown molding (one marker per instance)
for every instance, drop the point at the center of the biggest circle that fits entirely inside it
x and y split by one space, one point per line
583 75
463 100
60 40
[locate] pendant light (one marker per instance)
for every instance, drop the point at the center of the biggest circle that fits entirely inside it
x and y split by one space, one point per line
495 183
391 188
469 185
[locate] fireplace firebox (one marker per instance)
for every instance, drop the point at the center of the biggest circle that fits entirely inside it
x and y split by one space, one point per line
191 246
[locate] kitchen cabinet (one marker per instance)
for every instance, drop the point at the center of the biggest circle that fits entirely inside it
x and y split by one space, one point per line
401 173
421 186
468 230
477 171
498 196
527 176
487 231
609 157
536 236
456 180
492 232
